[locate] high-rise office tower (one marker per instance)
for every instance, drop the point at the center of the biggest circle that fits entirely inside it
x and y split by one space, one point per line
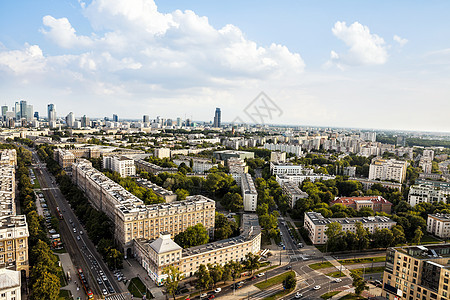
23 109
217 118
146 119
17 110
29 114
51 112
70 119
115 118
4 110
85 121
179 122
36 115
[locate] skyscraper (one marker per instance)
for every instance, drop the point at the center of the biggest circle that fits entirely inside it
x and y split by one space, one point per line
36 115
217 118
17 110
4 110
70 119
115 118
146 119
85 121
51 112
23 109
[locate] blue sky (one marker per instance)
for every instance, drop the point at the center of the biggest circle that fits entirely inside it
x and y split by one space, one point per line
368 64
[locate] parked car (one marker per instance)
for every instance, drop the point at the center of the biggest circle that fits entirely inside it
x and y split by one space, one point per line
288 268
317 287
81 231
211 297
204 295
260 274
338 280
104 292
74 230
298 295
78 237
218 290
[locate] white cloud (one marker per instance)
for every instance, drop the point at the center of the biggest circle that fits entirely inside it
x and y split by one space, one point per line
365 48
27 61
63 34
401 41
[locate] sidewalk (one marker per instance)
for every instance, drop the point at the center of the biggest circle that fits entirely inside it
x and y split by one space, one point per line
131 269
338 266
73 284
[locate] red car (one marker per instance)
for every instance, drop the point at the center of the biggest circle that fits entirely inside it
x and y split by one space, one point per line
211 297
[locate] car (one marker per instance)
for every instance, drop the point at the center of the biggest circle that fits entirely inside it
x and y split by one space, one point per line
254 277
260 275
78 237
70 221
298 295
104 278
119 278
105 292
300 245
218 290
74 230
204 295
317 287
110 289
211 297
338 280
288 268
99 280
81 231
52 231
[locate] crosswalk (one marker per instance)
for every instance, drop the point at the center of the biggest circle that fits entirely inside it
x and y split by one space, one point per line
116 297
268 292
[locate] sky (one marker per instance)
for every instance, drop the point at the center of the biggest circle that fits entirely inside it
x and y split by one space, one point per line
364 64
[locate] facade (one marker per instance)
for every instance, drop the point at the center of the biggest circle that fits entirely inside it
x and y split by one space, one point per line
279 168
132 218
429 191
155 255
70 120
316 225
167 195
439 225
199 165
65 158
217 117
387 169
417 272
227 154
277 156
51 113
237 168
367 184
297 179
294 149
10 283
249 194
376 203
152 168
426 164
120 164
162 153
293 193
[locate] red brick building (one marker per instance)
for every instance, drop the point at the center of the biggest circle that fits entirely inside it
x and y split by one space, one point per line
376 203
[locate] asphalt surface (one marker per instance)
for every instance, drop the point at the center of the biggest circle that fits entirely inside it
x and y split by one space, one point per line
82 251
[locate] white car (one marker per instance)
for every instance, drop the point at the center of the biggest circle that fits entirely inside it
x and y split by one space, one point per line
218 290
298 295
260 275
204 295
105 292
338 280
317 287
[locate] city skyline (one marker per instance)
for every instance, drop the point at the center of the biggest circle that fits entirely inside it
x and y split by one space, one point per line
323 64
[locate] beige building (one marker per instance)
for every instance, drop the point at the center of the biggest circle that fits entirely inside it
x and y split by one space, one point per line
120 164
10 284
162 153
439 225
417 273
14 243
249 193
316 225
277 156
65 158
167 195
293 193
132 218
387 169
199 165
155 255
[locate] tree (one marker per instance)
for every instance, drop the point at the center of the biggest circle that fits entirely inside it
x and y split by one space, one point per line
192 236
335 236
114 258
235 268
215 272
290 282
417 236
363 236
181 194
251 262
383 238
358 283
204 281
173 278
46 286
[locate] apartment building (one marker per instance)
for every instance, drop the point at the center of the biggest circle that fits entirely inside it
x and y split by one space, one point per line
152 168
167 195
162 153
14 243
64 158
387 169
280 168
278 156
316 225
10 283
439 225
199 165
7 190
156 255
133 219
120 164
237 167
429 191
8 157
227 154
249 193
294 149
376 203
297 179
417 273
367 184
293 193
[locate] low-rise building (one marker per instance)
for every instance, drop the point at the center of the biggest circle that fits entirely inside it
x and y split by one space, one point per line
376 203
152 168
227 154
199 165
293 193
417 272
316 225
167 195
10 283
367 183
439 225
249 193
297 179
429 191
280 168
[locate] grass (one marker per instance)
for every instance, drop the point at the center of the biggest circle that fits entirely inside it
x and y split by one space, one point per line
36 184
351 297
369 270
336 274
137 288
329 294
428 239
273 281
279 294
298 224
365 260
64 295
317 266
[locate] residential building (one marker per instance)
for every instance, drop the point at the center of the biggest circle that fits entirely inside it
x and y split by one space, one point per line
417 272
367 184
297 179
429 191
376 203
277 156
387 169
293 193
65 158
316 225
249 194
280 168
156 255
237 167
426 164
217 117
167 195
14 243
199 165
294 149
227 154
162 153
10 283
120 164
439 225
152 168
132 218
349 171
370 136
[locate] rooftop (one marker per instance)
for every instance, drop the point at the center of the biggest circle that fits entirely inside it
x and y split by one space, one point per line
365 199
318 219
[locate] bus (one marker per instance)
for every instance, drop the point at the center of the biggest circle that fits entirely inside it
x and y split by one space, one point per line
60 216
85 284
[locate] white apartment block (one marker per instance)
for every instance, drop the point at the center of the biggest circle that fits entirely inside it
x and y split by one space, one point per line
237 168
167 195
279 168
294 149
293 193
120 164
278 156
8 157
316 225
387 169
297 179
132 218
162 153
428 153
429 191
439 225
426 164
10 283
199 165
155 255
249 193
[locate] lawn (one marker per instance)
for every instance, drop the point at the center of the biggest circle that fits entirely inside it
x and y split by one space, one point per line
279 295
364 260
64 295
369 270
273 281
298 224
329 294
36 184
336 274
429 239
351 297
137 288
317 266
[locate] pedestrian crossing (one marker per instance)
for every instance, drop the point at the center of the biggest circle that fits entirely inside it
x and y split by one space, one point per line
116 297
266 293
